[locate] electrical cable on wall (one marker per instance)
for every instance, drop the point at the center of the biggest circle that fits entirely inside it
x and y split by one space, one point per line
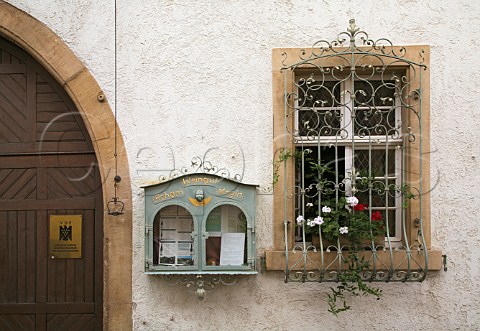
115 206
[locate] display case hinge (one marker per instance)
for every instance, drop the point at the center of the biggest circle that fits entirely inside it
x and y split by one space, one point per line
251 262
148 228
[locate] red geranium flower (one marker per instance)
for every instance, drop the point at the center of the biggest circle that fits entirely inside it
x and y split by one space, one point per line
377 216
360 207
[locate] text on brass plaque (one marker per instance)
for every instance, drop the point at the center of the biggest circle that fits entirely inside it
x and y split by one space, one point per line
66 236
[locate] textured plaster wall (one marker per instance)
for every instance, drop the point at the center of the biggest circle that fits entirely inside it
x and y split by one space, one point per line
194 78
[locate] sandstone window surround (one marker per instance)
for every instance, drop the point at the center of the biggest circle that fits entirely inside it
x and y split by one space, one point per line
369 104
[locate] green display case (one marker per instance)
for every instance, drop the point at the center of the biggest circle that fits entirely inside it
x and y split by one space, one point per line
200 224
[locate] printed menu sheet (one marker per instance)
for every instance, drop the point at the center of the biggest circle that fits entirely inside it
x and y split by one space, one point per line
232 249
176 242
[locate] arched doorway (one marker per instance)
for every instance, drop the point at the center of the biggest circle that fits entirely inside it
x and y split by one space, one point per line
56 58
47 167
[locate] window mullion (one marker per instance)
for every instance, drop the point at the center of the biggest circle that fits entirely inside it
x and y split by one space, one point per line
398 198
348 126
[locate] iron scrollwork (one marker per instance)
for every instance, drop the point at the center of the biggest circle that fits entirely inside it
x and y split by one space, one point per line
358 98
200 285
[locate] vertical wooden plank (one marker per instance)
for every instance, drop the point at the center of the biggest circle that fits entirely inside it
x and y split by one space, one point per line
88 221
70 280
51 268
60 266
43 260
31 105
51 264
70 274
41 256
3 256
21 261
12 256
60 279
31 244
80 279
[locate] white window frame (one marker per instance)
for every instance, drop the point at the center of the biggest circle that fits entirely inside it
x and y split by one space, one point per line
361 143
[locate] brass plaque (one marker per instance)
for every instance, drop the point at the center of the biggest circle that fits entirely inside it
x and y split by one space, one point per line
66 236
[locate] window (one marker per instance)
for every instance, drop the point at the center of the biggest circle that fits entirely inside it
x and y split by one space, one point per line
362 113
352 126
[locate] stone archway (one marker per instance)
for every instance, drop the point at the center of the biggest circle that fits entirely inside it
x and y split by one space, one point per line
53 54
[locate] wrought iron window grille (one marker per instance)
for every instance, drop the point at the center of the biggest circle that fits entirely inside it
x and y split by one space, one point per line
353 126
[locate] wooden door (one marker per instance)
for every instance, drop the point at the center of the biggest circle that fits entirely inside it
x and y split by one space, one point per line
47 167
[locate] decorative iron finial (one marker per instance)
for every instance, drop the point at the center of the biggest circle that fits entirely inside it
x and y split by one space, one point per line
353 27
352 30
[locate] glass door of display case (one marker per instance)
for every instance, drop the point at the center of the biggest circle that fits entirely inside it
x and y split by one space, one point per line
225 238
174 243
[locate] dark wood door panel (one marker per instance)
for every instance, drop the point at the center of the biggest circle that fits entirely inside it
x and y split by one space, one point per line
71 322
72 182
47 167
17 322
18 183
17 256
13 108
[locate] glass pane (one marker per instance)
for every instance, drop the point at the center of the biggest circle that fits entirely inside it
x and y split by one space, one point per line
379 215
226 226
379 195
375 122
378 166
326 179
323 116
319 122
374 108
312 93
172 232
375 174
374 93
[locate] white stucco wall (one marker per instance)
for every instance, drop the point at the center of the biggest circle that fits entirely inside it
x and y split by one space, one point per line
194 77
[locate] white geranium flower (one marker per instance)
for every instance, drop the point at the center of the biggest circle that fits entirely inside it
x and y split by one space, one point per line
352 201
300 219
309 204
343 230
326 209
318 220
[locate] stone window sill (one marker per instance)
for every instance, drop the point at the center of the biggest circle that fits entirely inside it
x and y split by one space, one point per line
275 260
